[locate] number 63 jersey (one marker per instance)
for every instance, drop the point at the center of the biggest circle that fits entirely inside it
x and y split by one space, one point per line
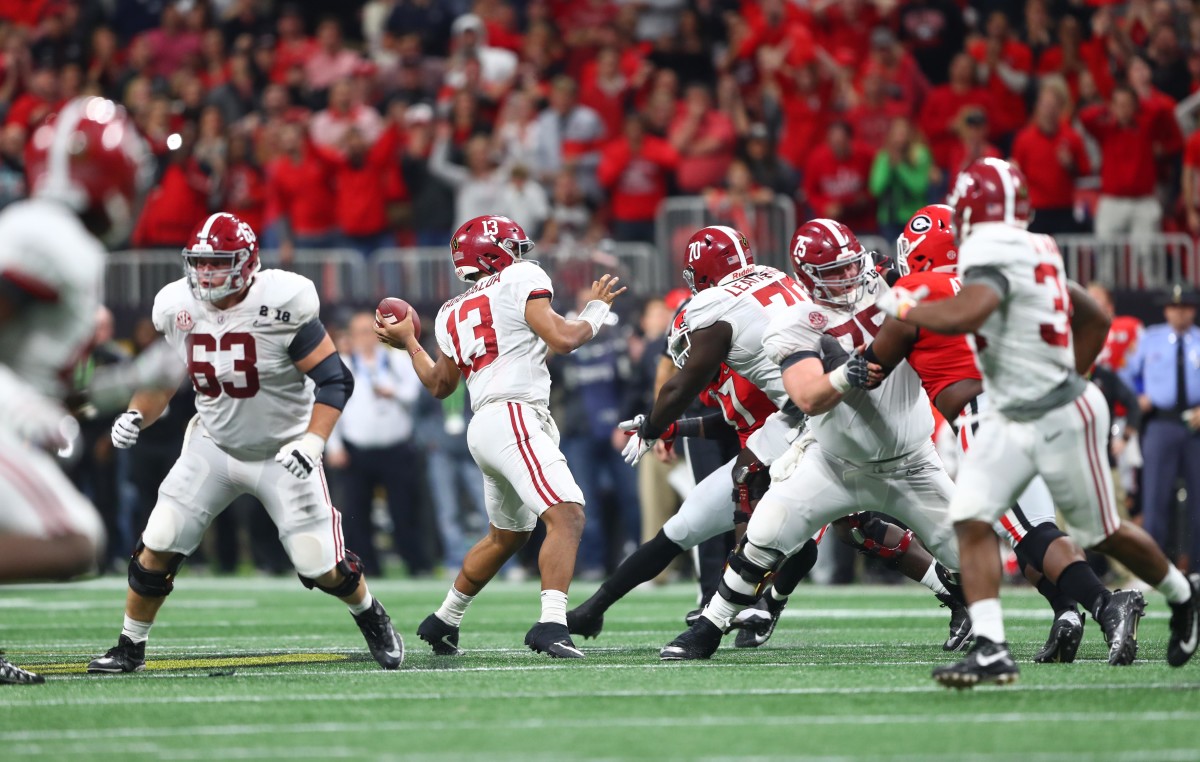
250 397
485 333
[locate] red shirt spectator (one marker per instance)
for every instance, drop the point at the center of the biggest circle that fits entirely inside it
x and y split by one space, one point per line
634 170
330 126
874 113
171 45
298 186
704 139
944 106
1050 153
1127 136
1071 57
972 143
802 99
1191 182
365 178
1007 63
294 48
903 80
39 100
604 88
172 208
836 177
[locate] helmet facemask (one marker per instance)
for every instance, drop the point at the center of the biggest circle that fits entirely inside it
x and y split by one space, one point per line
679 344
833 286
229 272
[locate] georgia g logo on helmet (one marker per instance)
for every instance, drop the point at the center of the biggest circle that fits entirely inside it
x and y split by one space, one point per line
920 224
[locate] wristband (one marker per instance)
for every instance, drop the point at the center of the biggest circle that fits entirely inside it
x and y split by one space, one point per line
689 427
417 351
593 314
839 379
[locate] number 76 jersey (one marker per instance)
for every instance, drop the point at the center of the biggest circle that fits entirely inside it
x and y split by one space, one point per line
485 333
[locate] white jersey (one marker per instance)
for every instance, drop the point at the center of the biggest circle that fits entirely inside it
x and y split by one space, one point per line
51 257
865 426
748 304
250 397
1024 349
485 333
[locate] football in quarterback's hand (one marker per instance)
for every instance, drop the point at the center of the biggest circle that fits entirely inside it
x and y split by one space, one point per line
394 310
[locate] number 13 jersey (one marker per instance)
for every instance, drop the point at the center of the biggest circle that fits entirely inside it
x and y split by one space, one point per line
485 333
250 397
1024 349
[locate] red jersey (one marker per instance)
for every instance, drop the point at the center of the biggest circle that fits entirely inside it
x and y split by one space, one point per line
1123 336
939 360
743 404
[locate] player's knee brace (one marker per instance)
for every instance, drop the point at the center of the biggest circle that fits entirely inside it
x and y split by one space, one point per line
151 583
351 568
753 574
1031 550
750 483
868 533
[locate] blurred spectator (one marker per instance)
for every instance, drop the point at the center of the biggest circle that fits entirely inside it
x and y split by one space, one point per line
451 472
933 30
1165 370
1005 64
972 129
429 19
432 200
872 111
1130 138
899 178
767 168
569 217
1190 183
12 164
237 96
376 430
294 48
636 169
329 126
331 62
739 203
243 186
301 193
836 180
41 96
365 180
477 186
605 89
944 106
903 79
703 138
1052 156
569 134
470 41
524 199
171 44
799 101
179 198
684 50
517 129
1124 333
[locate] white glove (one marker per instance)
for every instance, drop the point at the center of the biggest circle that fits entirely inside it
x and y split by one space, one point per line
636 447
126 428
302 456
785 464
897 301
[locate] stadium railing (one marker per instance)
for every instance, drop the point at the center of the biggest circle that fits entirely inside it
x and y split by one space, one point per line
1131 262
768 226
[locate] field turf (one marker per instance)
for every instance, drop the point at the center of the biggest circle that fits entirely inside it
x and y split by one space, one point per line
262 669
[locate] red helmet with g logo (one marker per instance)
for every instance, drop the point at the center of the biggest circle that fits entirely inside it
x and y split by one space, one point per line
830 262
989 190
927 242
221 257
715 255
487 245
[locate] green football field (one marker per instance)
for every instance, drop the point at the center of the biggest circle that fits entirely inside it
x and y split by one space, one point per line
262 669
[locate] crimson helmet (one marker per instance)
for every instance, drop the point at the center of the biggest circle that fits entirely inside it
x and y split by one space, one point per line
830 262
220 258
715 255
989 190
487 245
679 340
89 156
927 242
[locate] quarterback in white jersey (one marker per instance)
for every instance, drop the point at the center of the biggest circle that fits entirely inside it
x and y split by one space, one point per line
496 336
269 389
1046 418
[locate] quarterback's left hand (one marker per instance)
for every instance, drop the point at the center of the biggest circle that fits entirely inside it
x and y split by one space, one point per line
898 300
302 456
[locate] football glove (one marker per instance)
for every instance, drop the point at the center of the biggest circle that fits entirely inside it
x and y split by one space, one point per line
638 444
898 300
302 456
126 428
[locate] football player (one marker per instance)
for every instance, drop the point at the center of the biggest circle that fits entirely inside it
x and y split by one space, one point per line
269 389
496 335
1046 419
86 167
872 447
927 257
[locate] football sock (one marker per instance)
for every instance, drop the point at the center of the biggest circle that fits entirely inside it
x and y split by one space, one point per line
720 611
793 570
643 565
136 631
1174 586
1057 599
988 619
1079 583
454 607
932 581
554 607
361 606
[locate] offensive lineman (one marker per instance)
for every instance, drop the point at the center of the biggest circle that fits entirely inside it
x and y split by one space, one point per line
1047 419
495 335
270 388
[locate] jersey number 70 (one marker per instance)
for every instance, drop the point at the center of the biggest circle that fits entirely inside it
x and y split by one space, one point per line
474 314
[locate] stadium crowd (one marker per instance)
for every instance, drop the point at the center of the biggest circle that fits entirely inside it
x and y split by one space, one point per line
364 125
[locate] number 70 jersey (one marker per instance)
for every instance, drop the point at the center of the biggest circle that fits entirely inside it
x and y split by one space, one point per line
485 333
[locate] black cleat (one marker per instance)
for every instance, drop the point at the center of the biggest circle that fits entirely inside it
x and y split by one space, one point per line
1065 636
986 662
443 637
699 641
384 642
11 674
1119 619
585 619
552 639
962 632
125 656
692 616
1185 626
756 624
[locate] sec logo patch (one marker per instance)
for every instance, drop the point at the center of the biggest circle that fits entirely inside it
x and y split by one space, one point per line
183 321
818 320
